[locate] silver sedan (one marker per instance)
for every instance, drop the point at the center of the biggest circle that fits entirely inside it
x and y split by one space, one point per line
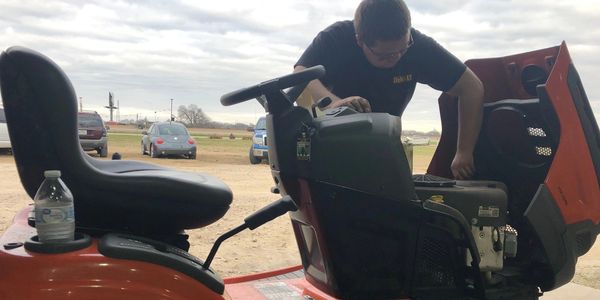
168 138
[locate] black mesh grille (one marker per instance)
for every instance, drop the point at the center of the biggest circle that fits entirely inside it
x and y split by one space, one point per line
543 151
543 147
536 132
434 264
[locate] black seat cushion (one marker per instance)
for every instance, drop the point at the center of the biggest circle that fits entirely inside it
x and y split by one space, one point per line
132 196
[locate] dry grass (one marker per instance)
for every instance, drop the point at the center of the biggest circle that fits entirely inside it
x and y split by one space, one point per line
193 131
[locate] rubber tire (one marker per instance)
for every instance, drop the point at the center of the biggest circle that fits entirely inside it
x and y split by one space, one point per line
253 159
192 156
103 152
153 153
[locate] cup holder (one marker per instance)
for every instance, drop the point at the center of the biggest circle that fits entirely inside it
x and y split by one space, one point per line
81 241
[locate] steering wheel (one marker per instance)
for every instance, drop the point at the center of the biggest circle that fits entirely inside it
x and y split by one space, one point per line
272 85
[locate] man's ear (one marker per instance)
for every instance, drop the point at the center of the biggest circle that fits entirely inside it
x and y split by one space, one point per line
359 41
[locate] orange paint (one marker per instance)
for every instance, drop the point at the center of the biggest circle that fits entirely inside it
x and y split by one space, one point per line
571 179
86 274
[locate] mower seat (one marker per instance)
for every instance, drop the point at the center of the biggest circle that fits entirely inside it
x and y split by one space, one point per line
125 196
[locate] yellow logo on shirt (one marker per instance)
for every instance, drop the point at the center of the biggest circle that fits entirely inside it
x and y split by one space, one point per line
403 78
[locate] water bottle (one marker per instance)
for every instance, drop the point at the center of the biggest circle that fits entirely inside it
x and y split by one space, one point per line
54 210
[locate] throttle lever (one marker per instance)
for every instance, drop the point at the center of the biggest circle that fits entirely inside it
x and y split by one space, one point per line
322 103
253 221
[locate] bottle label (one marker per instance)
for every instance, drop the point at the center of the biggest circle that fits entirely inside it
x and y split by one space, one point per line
52 215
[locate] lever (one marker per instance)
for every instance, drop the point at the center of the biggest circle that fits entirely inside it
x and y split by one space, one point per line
322 103
254 221
270 212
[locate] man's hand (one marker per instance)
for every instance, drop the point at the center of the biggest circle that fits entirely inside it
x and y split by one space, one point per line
463 166
318 91
357 103
469 91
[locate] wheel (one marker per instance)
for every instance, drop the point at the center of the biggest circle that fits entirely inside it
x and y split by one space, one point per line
143 148
192 156
153 153
103 152
253 159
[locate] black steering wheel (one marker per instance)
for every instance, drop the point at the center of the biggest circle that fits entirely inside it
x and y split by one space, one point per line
269 86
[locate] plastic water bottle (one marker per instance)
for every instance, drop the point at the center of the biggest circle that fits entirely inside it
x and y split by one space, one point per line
54 210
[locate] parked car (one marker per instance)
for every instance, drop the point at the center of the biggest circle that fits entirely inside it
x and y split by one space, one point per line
4 138
259 149
168 138
92 133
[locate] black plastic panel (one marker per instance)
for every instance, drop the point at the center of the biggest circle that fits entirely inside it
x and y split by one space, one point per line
557 245
142 249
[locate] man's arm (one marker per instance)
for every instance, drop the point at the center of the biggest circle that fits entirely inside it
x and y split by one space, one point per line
469 91
319 91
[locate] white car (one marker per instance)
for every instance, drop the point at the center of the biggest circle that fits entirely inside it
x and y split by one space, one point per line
4 139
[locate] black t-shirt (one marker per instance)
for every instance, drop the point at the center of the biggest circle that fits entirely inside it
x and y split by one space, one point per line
348 73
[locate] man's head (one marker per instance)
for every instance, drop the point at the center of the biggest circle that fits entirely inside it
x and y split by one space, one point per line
383 31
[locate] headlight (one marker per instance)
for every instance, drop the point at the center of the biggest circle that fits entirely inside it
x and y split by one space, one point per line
258 139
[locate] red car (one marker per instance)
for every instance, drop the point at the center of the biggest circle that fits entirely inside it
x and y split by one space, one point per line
92 133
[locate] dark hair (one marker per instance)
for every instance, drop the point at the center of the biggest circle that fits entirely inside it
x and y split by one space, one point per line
381 20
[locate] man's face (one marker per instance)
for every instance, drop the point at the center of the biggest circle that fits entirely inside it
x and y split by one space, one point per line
385 54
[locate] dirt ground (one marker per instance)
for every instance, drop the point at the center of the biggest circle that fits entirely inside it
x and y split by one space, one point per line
266 248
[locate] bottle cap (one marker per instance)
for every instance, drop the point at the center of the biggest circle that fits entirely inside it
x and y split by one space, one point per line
52 173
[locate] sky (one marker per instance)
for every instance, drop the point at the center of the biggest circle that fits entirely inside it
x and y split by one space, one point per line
149 52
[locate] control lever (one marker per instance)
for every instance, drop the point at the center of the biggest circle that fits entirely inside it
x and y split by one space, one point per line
322 103
254 221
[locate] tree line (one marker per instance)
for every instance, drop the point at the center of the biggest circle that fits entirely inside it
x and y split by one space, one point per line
193 116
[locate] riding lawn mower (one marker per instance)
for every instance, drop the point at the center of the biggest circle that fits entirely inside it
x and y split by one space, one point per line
366 227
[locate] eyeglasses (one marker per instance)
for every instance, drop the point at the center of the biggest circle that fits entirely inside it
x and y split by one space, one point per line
393 55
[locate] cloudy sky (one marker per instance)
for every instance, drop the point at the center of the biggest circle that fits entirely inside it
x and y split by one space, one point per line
148 52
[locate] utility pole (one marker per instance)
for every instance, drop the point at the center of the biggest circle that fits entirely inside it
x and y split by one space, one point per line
171 116
111 106
80 104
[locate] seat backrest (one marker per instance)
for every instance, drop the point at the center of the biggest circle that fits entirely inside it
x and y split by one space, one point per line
41 110
38 99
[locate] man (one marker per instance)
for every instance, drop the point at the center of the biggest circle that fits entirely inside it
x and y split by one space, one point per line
374 62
